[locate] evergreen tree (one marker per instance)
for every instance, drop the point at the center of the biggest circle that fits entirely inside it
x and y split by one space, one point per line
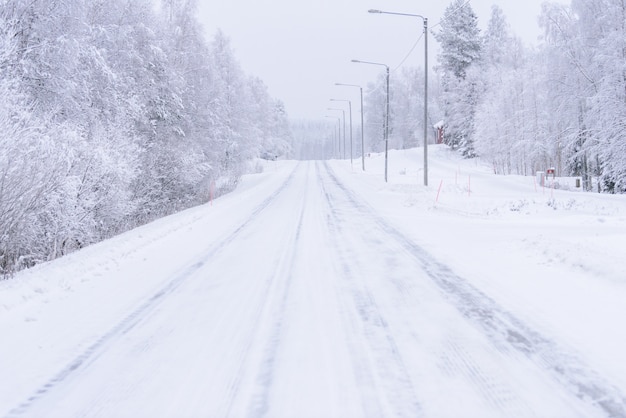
461 50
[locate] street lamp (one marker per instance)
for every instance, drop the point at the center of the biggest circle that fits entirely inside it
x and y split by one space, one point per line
425 21
337 137
386 112
362 140
350 108
344 132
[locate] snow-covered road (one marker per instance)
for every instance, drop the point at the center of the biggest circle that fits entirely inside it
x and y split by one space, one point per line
304 301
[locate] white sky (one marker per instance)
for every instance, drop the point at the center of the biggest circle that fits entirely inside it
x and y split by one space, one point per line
300 49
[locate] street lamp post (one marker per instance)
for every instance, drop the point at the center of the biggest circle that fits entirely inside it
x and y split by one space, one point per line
350 109
344 132
336 137
386 112
362 139
425 21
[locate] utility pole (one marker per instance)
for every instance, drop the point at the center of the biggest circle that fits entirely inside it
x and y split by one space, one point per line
425 101
386 112
387 126
425 20
362 138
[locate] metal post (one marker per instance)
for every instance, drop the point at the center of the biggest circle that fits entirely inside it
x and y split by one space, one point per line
344 128
386 133
425 101
425 20
362 138
362 134
387 125
351 155
344 133
338 138
332 144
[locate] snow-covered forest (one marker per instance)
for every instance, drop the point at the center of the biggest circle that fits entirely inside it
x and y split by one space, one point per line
115 113
561 104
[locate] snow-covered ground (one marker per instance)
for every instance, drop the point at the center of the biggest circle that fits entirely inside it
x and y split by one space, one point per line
318 290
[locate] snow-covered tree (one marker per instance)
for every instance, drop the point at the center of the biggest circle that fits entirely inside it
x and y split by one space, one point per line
510 130
460 43
114 113
585 44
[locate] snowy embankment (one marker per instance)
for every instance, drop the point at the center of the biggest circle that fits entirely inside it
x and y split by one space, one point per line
221 309
52 314
554 257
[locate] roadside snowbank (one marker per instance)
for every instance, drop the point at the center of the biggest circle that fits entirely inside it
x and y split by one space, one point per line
553 256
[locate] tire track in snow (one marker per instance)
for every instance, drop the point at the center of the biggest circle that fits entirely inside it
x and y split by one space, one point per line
483 377
371 322
283 277
503 329
243 355
93 351
408 296
362 369
363 374
458 360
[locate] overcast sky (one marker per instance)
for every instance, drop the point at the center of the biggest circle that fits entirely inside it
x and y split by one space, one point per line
300 49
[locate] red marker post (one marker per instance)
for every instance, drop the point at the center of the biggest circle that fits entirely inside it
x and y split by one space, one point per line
439 190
